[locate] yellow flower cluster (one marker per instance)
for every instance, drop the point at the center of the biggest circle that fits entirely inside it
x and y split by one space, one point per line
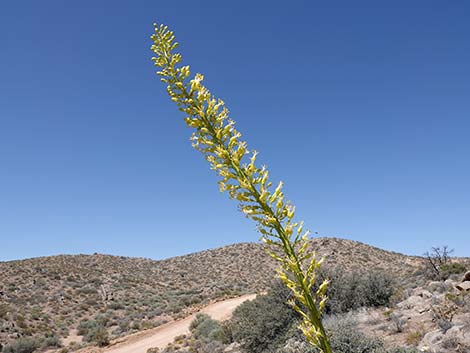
216 137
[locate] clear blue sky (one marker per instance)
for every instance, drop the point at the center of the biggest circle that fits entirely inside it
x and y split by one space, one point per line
362 108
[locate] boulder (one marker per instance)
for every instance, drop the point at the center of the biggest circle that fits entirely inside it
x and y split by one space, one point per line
433 338
423 293
464 286
414 303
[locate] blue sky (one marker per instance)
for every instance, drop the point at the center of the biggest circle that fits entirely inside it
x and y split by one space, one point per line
362 109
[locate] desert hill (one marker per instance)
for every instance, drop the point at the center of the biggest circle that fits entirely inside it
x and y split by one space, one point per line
51 296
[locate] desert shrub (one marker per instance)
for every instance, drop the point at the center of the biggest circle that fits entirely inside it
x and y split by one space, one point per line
401 350
439 263
85 326
209 347
4 309
124 324
36 313
261 324
51 341
91 302
444 312
345 338
398 321
98 335
22 345
21 321
102 320
413 338
94 330
87 291
206 328
378 288
454 268
351 290
115 306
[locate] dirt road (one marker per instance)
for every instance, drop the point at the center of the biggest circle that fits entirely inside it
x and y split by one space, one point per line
162 335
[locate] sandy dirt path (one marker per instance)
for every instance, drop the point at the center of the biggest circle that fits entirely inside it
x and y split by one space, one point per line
164 334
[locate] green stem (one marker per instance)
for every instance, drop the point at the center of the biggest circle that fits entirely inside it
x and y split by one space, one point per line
315 317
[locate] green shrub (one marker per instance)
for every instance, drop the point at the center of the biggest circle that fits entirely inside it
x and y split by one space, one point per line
439 263
22 345
85 326
4 310
453 268
261 324
351 290
51 341
102 320
115 306
99 336
401 350
345 338
206 328
94 330
378 288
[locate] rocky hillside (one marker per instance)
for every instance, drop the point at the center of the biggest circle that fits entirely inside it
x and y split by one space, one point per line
55 296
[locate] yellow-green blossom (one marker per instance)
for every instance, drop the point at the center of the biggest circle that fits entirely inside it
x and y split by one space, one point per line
216 137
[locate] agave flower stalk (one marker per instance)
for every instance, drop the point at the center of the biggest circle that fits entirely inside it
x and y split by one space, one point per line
215 136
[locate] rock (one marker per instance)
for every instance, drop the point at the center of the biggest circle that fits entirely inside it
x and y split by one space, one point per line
454 330
423 293
416 303
436 286
466 278
464 286
432 338
449 282
232 348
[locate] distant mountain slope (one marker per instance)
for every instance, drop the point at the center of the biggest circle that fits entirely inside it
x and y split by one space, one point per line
51 295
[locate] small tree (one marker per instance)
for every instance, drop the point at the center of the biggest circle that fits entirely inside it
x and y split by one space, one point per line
439 262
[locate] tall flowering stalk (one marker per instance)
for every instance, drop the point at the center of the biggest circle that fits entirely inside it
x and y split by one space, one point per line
217 139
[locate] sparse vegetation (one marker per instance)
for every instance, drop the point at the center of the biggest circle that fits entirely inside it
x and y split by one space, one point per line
350 290
343 330
54 294
440 264
46 310
413 338
346 338
44 295
205 327
22 345
260 325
